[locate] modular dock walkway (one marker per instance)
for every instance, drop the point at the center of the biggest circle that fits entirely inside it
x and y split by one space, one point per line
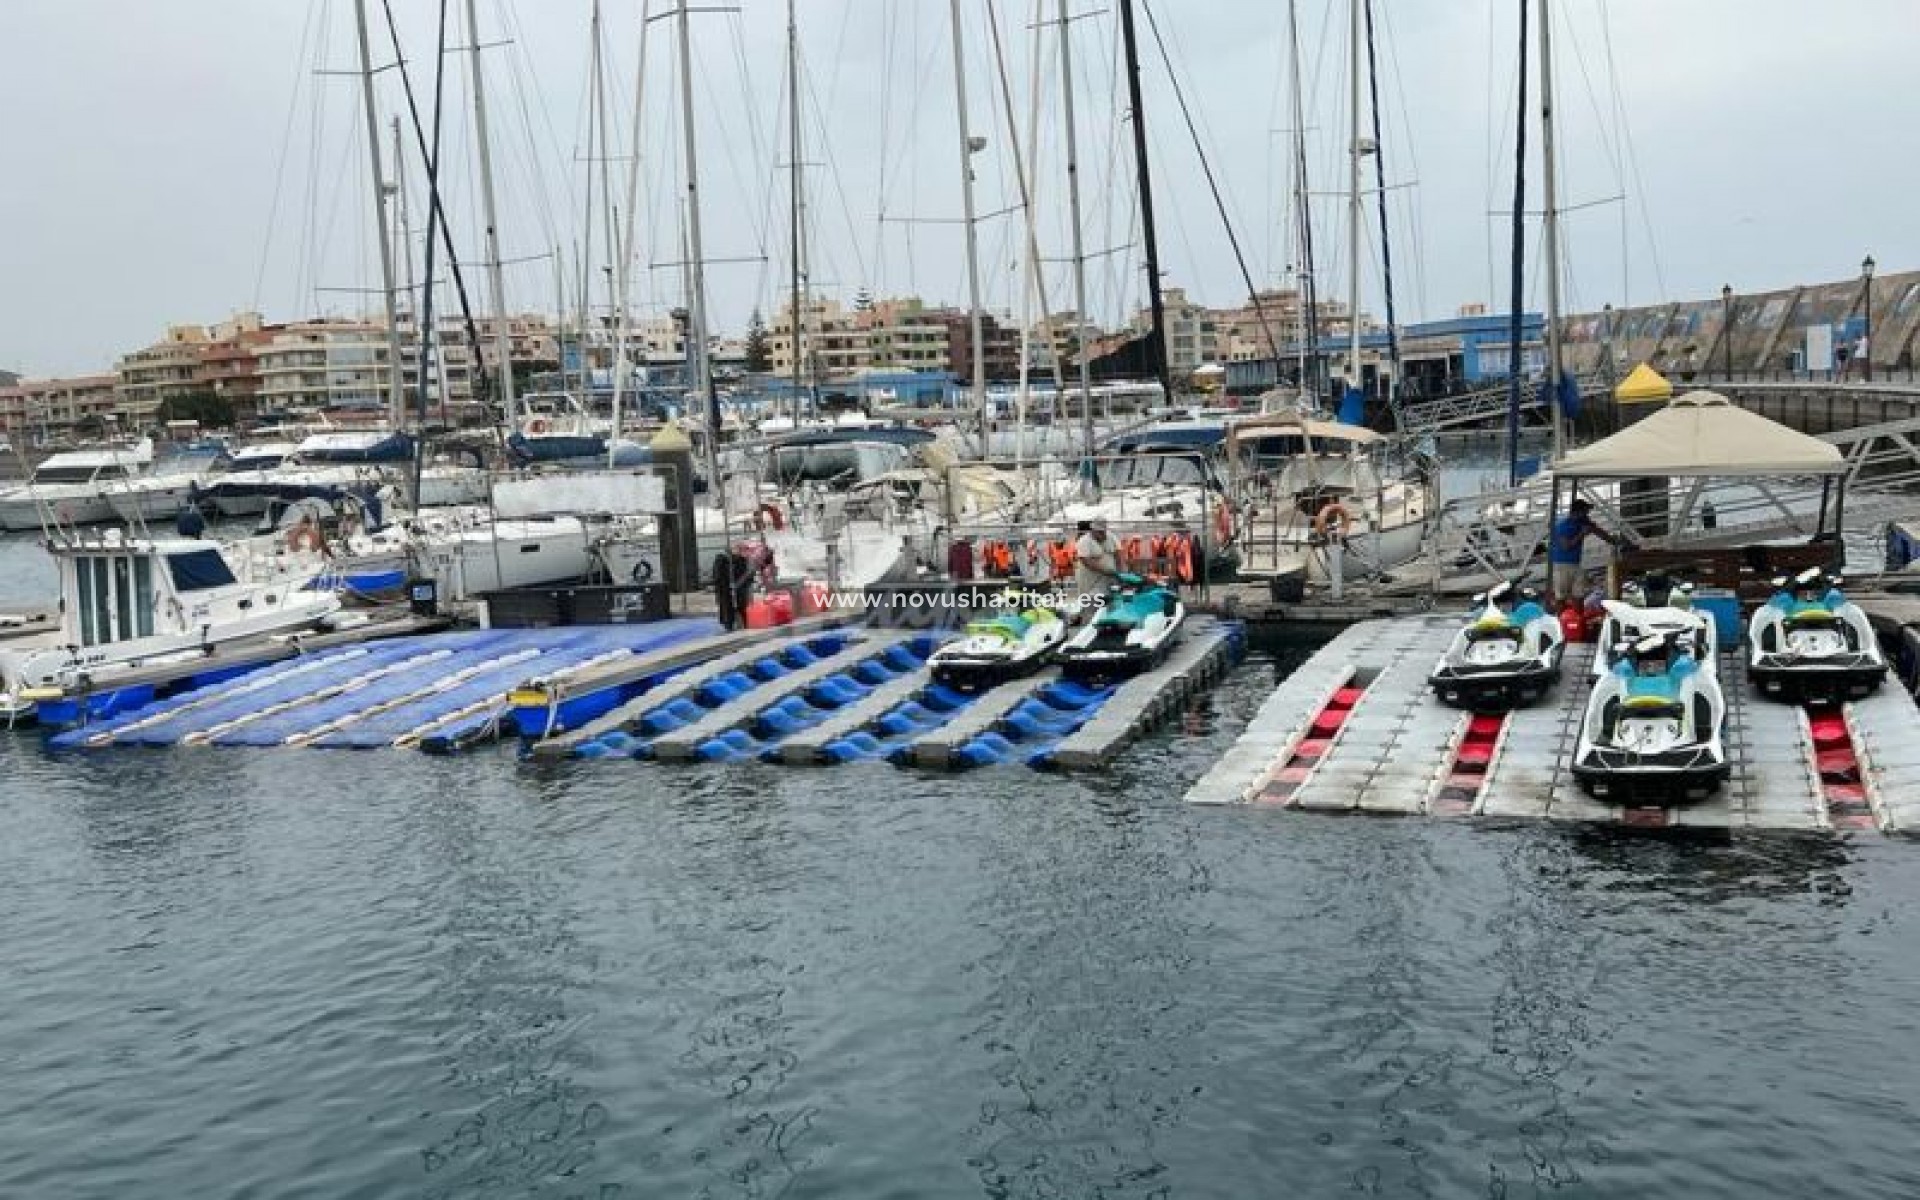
1356 729
682 694
388 693
876 701
738 726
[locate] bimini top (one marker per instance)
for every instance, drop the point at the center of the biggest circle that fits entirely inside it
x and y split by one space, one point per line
1702 434
1284 423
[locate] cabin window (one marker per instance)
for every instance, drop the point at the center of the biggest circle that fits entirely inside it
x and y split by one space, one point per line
96 600
143 597
122 598
198 570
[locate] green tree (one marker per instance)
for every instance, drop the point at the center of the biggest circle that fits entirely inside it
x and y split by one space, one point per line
211 410
759 346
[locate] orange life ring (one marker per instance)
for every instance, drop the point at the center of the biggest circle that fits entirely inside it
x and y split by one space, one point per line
305 537
1330 513
538 426
770 514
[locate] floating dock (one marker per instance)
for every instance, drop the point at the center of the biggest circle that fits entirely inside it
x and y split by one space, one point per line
873 699
437 691
1356 729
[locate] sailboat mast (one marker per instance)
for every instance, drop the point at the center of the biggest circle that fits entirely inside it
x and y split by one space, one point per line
623 264
696 272
496 286
1157 336
797 213
1356 214
1073 221
1306 299
1551 218
974 313
403 236
396 397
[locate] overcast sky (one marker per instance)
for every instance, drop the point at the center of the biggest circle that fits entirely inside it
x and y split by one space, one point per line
177 162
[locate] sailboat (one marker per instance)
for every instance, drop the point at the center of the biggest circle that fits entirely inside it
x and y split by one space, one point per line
1313 492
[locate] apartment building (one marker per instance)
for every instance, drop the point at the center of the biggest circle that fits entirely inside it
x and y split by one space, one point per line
169 367
312 366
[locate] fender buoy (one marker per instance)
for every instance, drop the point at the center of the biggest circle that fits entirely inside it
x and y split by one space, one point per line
1331 514
1222 524
538 426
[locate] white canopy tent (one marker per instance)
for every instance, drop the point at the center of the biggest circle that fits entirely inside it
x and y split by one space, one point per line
1703 434
1703 437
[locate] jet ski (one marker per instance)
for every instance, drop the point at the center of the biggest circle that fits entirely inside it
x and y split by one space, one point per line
1809 643
994 649
1507 654
1131 632
1650 604
1652 730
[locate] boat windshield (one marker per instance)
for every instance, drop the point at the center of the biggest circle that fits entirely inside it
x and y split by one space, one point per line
76 474
198 570
1151 470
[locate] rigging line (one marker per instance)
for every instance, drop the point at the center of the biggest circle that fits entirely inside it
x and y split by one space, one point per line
1386 243
530 87
435 213
740 178
307 269
1410 210
1206 137
834 173
286 144
1633 159
887 39
761 146
1213 184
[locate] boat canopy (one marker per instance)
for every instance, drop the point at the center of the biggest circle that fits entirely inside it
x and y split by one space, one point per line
365 496
375 447
1269 425
1702 434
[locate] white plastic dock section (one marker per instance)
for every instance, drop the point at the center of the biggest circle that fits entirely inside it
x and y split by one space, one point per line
1139 704
1393 751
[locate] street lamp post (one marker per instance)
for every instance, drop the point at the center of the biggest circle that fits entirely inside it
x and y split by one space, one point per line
1726 329
1866 335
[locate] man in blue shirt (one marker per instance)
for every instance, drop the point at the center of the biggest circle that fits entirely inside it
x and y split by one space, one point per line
1564 548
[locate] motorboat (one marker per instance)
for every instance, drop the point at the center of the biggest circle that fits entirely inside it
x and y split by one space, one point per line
376 458
1810 643
1137 623
1648 604
73 488
247 465
1653 725
130 602
1013 642
1507 654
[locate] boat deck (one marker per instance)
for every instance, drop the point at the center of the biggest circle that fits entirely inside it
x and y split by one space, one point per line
1356 729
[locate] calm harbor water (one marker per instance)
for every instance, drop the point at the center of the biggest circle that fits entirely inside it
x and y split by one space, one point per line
335 974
